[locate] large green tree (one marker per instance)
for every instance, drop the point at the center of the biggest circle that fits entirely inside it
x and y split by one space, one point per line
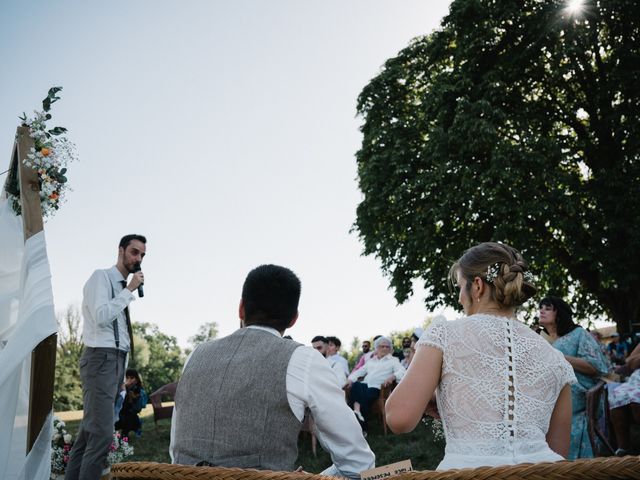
515 121
158 357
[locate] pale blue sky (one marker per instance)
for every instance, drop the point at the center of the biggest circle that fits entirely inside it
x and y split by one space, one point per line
226 133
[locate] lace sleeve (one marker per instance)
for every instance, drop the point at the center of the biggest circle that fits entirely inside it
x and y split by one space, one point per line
589 350
435 335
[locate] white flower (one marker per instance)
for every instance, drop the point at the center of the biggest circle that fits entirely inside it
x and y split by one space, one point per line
56 437
67 438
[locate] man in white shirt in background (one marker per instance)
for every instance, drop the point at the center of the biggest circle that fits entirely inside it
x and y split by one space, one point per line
320 344
338 363
107 340
241 399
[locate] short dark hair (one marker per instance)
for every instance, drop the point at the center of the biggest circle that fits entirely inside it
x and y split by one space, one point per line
126 240
564 314
319 338
335 340
270 296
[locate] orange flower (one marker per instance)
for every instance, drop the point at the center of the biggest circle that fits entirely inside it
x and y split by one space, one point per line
45 151
54 196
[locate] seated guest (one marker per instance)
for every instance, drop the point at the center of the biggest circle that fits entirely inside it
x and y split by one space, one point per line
399 354
408 355
365 356
320 344
410 352
618 349
336 360
241 399
624 404
366 347
584 354
380 371
338 363
135 399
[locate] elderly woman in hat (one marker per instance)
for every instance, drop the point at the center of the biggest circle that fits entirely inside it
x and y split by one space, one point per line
380 371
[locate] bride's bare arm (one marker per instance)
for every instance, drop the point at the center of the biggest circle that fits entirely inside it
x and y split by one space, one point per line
407 403
559 434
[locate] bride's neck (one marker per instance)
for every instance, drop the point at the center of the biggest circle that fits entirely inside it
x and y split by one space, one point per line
495 310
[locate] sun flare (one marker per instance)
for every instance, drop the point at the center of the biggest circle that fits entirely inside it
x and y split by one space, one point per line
575 7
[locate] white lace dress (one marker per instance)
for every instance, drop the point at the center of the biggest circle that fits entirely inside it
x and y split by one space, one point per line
499 385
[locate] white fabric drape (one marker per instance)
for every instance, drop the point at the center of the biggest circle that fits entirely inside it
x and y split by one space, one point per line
27 317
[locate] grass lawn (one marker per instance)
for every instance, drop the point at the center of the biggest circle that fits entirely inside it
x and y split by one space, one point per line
419 446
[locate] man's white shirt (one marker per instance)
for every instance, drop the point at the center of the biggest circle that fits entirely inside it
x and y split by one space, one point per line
103 301
311 383
338 361
376 370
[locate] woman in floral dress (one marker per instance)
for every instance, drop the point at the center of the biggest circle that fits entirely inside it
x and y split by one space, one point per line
582 351
624 403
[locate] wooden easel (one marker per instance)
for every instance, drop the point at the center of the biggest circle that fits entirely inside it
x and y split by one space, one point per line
43 358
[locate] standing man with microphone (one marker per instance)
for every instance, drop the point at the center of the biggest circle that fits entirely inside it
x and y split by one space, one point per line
107 338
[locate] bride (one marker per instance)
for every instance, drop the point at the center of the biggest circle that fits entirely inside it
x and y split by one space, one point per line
502 391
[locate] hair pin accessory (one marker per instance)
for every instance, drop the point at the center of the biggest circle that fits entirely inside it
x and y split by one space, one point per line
492 272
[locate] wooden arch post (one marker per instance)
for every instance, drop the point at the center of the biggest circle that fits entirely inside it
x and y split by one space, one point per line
43 357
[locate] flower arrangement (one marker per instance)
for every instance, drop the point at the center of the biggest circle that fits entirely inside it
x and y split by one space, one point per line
61 443
435 425
49 158
119 449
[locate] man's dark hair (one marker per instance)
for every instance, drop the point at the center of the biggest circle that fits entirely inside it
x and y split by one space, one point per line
335 340
126 240
270 296
319 338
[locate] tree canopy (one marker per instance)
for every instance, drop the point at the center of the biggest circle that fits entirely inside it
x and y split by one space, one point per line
157 357
206 331
515 121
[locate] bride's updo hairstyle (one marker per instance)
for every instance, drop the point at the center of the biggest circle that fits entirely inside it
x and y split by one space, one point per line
499 266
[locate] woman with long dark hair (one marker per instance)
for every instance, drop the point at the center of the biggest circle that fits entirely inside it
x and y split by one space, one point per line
134 401
582 351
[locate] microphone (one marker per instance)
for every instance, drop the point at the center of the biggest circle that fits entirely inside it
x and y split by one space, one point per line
136 268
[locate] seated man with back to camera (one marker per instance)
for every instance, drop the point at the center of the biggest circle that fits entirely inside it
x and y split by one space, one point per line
241 399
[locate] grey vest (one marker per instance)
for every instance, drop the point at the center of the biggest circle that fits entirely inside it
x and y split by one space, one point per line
232 404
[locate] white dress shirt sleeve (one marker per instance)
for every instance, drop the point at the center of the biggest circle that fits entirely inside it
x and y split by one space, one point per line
312 384
174 416
361 372
341 377
98 302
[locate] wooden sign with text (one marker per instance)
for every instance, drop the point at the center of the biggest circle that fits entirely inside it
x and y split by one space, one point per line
387 471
